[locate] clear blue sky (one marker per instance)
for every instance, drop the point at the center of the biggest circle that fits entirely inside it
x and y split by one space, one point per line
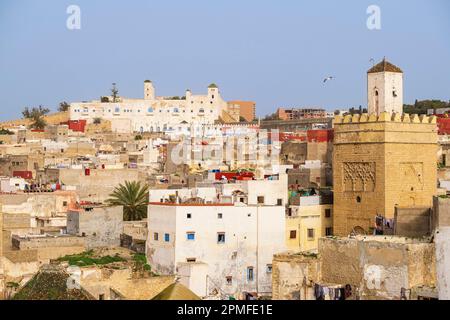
273 52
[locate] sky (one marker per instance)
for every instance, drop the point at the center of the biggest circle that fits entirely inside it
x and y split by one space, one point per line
276 52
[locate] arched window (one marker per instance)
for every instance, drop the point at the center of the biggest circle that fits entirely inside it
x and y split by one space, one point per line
201 110
150 109
176 110
116 109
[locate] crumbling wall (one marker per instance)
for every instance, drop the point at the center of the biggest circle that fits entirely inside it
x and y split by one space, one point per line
442 239
379 266
292 276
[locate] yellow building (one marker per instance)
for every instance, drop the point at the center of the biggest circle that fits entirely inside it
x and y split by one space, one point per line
380 162
305 224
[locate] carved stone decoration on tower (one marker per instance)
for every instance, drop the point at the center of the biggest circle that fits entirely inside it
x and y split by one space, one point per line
359 176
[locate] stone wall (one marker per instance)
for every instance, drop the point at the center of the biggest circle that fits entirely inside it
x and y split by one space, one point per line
441 213
293 152
100 183
378 267
101 227
412 222
292 275
322 151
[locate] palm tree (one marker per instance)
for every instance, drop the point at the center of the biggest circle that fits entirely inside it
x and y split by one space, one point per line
133 197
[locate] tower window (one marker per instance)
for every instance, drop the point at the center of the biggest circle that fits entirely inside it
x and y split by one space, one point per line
358 199
376 92
250 275
310 233
394 93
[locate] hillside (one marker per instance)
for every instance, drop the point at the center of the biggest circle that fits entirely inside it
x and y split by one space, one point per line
52 118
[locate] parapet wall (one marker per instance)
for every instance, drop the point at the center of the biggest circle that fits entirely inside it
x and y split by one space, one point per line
385 128
384 117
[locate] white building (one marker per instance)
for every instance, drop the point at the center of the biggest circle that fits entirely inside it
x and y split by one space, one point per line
154 114
222 240
235 243
11 185
385 88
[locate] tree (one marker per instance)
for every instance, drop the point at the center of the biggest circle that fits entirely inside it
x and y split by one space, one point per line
63 107
36 115
97 120
272 116
133 197
422 106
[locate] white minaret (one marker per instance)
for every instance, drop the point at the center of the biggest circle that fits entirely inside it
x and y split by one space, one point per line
213 91
149 90
385 88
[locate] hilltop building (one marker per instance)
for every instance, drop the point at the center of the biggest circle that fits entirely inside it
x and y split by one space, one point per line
152 113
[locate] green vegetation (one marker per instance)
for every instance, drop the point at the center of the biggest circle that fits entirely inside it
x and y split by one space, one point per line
114 92
421 107
138 137
63 107
309 254
97 120
11 284
133 197
6 132
359 110
36 115
140 262
49 286
87 259
272 116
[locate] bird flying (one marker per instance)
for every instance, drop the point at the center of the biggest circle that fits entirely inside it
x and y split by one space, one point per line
328 78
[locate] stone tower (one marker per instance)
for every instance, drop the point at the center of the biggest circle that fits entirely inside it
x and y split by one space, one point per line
149 90
380 162
385 88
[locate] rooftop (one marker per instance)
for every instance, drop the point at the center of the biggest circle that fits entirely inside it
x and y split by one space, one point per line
384 66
